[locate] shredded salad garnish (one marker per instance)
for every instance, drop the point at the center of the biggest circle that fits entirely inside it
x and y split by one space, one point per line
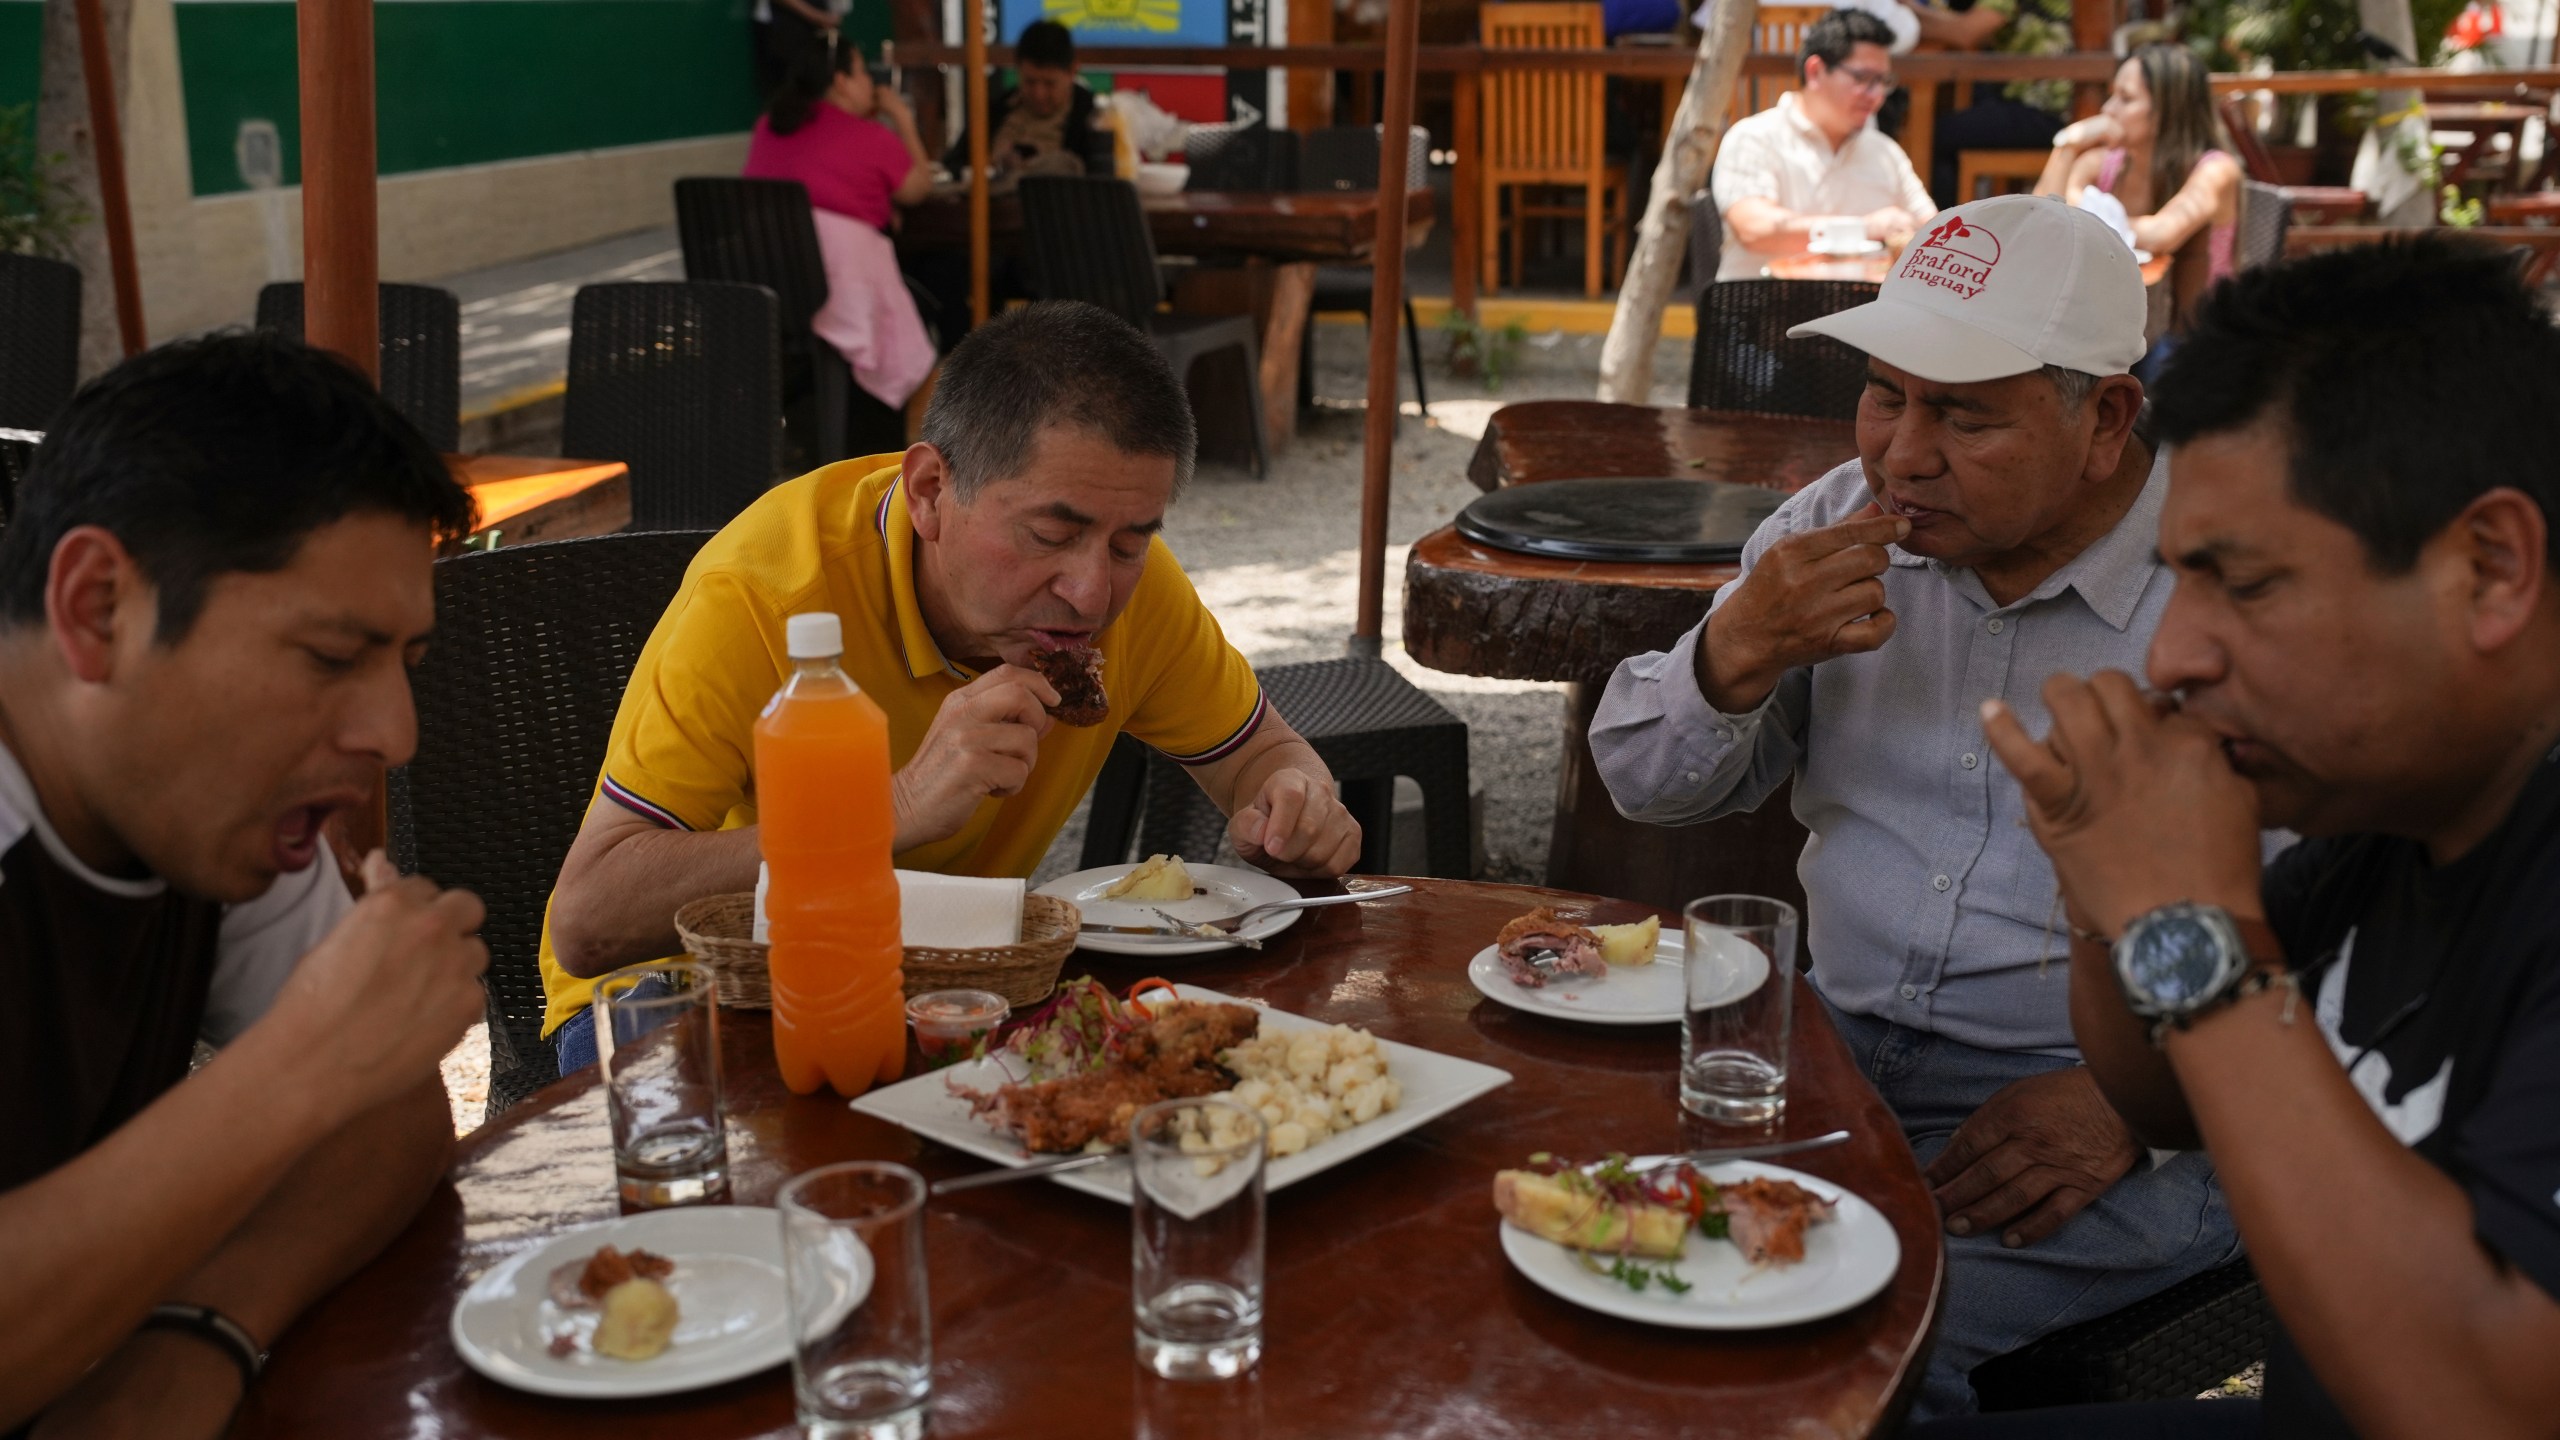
1075 1032
1615 1180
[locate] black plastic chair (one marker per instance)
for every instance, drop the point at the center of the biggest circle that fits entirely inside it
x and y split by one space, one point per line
1743 359
421 351
762 232
17 452
1086 239
2265 216
2176 1344
1242 155
39 339
534 644
1367 723
682 380
1345 157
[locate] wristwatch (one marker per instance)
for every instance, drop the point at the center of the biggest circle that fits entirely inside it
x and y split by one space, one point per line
2181 961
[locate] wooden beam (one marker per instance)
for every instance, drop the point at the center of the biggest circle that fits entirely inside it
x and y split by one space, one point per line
1310 90
98 77
1466 223
974 27
1386 309
341 246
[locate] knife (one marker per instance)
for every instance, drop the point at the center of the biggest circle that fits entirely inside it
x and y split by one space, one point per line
1763 1152
1243 942
1055 1165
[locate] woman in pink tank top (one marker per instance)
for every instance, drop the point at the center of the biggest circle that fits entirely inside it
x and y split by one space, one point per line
2158 148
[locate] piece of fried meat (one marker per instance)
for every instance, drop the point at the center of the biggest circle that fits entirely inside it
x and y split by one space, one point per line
1174 1056
1767 1218
1575 948
1076 674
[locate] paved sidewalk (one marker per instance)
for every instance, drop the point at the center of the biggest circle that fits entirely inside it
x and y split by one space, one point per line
515 317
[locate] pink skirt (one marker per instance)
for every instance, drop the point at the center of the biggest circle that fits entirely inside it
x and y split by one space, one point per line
869 317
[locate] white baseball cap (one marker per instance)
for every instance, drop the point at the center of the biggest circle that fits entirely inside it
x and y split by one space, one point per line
2001 287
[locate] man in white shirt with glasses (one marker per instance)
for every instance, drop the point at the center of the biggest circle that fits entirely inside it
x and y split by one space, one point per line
1816 162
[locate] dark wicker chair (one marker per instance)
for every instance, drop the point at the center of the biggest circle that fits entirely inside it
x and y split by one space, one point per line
2265 215
534 644
39 339
1086 239
2178 1343
682 379
421 351
1345 157
1241 155
1744 361
17 452
762 232
1369 725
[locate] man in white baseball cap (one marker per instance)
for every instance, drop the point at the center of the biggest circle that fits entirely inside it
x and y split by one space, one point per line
1997 527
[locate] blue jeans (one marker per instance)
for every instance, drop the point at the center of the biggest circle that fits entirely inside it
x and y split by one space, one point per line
574 1043
2153 1228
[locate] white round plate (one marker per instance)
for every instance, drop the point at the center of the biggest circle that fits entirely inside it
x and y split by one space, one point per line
1847 1259
734 1315
1229 890
1846 252
1637 995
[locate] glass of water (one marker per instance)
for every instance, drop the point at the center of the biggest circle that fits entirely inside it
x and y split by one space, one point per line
658 1035
1196 1238
853 1252
1739 968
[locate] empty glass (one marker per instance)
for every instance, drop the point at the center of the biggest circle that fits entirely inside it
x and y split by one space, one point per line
658 1036
1196 1238
1739 972
853 1252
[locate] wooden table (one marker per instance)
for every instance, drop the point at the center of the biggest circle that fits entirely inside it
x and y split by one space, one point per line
2540 242
2157 300
524 498
1474 610
1391 1308
1279 236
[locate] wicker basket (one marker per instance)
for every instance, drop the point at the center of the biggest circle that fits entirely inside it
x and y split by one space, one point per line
716 929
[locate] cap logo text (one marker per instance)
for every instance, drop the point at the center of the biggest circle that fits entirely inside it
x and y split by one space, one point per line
1955 256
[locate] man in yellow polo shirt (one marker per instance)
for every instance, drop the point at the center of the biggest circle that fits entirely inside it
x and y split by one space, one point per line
1027 519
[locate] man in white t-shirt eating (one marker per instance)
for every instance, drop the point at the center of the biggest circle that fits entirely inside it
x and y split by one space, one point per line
1817 156
217 575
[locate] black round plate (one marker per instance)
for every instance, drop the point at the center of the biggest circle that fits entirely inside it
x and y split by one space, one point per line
1667 519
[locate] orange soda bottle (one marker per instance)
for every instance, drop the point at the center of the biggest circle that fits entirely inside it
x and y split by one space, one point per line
831 905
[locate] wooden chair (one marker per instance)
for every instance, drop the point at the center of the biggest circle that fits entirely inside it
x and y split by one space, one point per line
1778 31
2008 171
2306 204
1547 129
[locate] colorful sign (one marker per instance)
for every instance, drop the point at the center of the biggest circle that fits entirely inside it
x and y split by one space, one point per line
1125 22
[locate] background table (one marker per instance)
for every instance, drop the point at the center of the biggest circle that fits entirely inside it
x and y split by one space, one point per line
524 498
1278 236
1474 610
1391 1310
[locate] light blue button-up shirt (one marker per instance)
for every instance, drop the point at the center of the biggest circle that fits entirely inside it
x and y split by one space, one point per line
1929 903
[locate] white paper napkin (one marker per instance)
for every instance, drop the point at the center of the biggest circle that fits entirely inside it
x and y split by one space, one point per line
942 912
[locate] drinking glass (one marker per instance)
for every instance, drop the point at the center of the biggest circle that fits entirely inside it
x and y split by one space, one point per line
658 1036
1739 970
862 1328
1196 1238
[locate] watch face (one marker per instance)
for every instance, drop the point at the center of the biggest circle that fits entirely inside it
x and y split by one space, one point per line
2175 962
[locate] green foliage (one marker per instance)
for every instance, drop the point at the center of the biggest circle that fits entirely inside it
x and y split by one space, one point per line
2308 35
1481 352
37 212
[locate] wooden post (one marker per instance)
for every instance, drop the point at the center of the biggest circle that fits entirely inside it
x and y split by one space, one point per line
974 31
1310 91
341 256
1626 358
1466 138
341 248
1386 304
97 76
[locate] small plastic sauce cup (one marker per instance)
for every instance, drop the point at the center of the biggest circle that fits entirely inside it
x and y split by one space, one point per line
950 1023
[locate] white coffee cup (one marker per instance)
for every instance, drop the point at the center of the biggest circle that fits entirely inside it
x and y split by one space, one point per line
1838 235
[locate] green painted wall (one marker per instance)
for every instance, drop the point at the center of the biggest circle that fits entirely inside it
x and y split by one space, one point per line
21 50
466 81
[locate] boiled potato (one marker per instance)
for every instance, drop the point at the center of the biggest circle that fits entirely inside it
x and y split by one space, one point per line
1629 944
639 1320
1162 877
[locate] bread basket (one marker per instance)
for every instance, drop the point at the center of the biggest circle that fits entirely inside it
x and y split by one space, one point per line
718 929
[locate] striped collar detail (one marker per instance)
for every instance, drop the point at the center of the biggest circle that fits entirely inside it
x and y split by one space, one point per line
646 809
898 542
1234 742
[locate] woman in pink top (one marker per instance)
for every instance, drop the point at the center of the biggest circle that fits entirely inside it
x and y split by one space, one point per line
854 146
2159 149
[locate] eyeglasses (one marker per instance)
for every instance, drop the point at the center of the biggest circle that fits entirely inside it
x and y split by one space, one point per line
1879 80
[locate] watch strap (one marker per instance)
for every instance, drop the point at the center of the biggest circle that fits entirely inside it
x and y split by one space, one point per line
215 1329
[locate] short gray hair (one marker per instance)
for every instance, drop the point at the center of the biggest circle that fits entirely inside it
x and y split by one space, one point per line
1060 362
2072 386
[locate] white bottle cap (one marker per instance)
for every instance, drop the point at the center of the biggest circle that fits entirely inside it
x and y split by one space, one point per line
816 635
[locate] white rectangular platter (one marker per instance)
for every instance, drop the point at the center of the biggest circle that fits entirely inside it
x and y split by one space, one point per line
1434 1085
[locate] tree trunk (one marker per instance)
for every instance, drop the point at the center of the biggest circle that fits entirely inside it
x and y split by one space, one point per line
1626 360
2400 198
62 128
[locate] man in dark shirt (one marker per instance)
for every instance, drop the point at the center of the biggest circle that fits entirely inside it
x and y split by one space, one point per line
217 576
2364 647
1043 123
